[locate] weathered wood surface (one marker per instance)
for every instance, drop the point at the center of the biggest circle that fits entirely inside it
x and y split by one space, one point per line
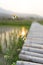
26 63
32 49
34 45
31 58
31 54
31 40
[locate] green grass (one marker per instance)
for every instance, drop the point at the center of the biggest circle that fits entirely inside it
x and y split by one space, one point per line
41 22
16 22
26 23
12 53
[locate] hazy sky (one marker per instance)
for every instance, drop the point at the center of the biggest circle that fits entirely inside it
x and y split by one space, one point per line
23 6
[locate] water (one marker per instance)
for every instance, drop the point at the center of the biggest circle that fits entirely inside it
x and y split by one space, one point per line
7 35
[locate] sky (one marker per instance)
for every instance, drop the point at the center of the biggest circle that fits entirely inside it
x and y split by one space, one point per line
23 6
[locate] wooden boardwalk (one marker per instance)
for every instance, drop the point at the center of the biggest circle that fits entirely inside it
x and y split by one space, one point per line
32 50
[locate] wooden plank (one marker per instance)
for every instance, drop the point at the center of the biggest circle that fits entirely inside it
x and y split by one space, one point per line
35 41
32 40
31 54
35 36
33 50
26 63
31 58
34 45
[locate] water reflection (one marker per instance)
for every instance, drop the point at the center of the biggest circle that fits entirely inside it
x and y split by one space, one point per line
7 38
23 32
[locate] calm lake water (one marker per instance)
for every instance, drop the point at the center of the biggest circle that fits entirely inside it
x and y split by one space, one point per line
7 35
